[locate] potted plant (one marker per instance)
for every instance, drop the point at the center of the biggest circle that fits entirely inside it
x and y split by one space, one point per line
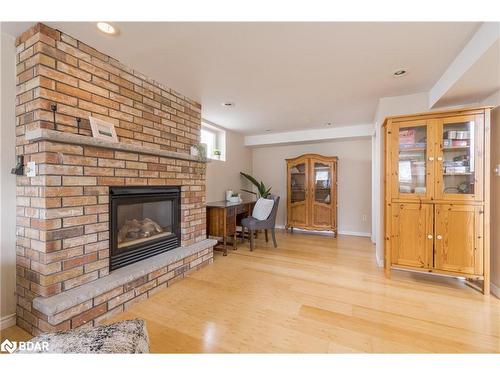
234 198
217 153
263 190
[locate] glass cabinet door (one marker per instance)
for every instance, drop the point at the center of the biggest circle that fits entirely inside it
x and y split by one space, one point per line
414 153
322 180
459 158
322 184
298 180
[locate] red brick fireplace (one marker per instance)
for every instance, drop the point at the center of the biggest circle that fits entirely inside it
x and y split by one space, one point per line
63 213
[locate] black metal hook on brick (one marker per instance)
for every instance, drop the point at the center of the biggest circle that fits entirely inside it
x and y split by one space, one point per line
53 107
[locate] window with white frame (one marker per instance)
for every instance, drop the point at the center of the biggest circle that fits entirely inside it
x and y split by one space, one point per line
215 140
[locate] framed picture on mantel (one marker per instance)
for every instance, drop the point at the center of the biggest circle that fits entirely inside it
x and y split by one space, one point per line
103 130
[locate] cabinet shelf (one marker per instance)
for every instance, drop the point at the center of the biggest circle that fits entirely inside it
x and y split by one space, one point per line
412 149
456 148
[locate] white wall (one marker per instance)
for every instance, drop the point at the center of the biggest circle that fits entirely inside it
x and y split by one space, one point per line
7 181
225 175
354 177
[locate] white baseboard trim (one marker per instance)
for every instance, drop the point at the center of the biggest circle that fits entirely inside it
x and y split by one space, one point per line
343 232
495 290
357 234
380 262
7 321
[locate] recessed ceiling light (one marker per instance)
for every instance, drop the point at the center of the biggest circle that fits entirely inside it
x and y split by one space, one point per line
328 124
228 104
106 28
400 72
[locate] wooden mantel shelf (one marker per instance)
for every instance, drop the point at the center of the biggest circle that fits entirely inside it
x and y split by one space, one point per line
62 137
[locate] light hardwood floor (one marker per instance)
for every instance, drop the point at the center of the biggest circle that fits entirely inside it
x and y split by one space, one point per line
316 294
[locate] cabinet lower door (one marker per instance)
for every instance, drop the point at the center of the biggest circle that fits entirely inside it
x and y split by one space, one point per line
459 239
412 238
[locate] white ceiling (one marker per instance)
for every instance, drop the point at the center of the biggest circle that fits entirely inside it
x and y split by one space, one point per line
283 76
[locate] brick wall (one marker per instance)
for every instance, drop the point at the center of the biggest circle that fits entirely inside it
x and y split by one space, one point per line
53 67
62 213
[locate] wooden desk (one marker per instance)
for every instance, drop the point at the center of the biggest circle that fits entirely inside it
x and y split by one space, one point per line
222 217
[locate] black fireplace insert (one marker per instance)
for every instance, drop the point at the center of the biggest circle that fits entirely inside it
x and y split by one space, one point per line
145 221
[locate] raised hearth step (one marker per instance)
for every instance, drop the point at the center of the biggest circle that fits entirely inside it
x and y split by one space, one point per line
65 300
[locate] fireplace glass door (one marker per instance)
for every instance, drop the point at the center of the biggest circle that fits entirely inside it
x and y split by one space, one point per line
144 222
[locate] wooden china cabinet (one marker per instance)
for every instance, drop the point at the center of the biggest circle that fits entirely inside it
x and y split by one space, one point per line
437 193
312 193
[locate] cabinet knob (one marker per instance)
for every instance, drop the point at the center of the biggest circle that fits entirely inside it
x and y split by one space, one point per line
440 158
439 237
429 236
431 158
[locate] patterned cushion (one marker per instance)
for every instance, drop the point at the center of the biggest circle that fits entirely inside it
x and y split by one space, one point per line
126 337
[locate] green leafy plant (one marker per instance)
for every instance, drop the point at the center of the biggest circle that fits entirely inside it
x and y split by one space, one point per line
264 191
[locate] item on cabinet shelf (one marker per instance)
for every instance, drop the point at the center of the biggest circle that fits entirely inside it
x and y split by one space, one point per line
457 169
454 164
312 193
405 171
418 168
407 137
405 188
463 188
464 158
463 134
412 145
229 194
411 155
436 198
457 134
459 143
450 134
